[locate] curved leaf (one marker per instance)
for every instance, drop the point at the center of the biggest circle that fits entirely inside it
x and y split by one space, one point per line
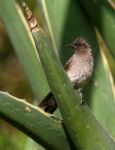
33 121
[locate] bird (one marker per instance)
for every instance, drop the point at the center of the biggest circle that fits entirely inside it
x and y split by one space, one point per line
78 68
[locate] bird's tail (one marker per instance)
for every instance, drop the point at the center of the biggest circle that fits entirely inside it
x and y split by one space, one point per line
48 104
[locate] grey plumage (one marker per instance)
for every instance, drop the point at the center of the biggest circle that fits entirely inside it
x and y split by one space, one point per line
78 68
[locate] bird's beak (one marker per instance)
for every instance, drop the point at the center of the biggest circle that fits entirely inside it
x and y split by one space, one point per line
70 45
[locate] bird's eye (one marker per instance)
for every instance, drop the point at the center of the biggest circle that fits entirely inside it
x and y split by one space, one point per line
78 45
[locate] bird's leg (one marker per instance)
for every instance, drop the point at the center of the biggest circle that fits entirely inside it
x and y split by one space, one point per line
82 101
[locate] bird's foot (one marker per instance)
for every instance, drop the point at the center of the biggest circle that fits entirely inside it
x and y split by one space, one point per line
82 101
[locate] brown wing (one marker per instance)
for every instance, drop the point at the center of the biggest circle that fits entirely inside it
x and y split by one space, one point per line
68 64
48 104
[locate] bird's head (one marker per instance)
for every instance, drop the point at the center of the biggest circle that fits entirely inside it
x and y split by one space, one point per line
80 44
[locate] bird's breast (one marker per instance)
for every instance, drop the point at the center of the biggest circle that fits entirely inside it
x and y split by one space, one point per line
80 70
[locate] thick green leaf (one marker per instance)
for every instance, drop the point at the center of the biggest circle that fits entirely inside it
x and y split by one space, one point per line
66 21
78 119
20 38
33 121
103 16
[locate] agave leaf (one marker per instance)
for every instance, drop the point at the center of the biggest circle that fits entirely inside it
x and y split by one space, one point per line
33 121
18 32
65 21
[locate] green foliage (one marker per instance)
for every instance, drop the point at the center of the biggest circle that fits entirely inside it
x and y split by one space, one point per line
33 121
62 22
24 47
102 15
